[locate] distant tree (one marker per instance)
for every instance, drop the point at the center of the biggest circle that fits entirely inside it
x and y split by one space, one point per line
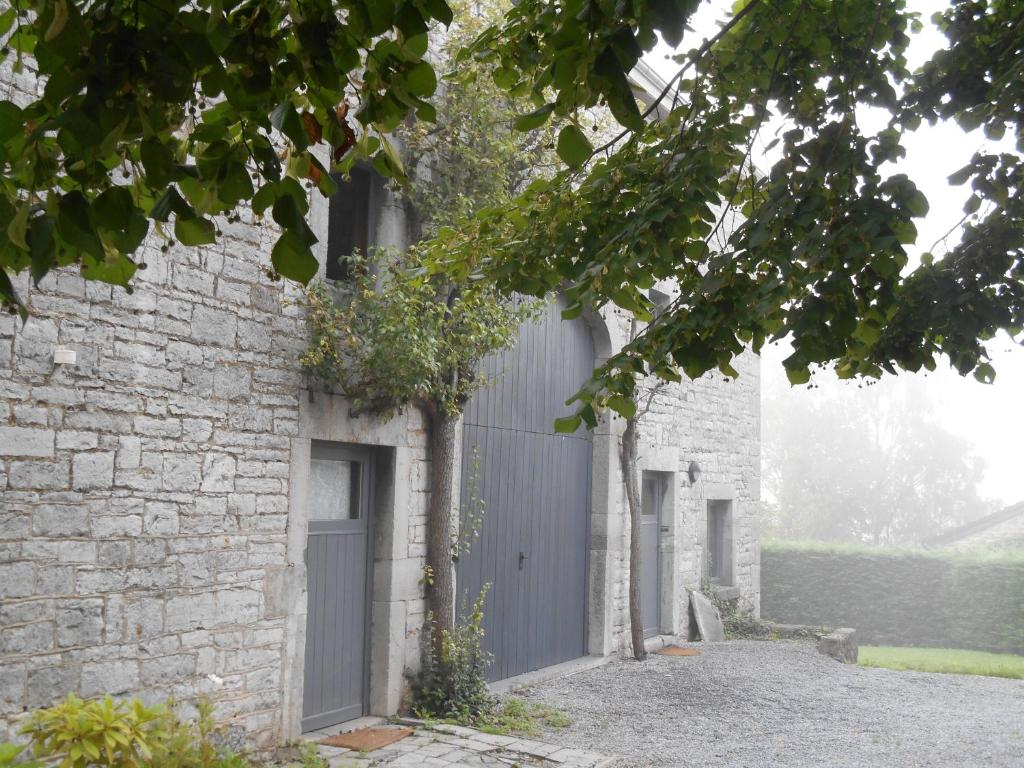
876 467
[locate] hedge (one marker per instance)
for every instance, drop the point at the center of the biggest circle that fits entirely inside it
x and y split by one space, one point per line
897 597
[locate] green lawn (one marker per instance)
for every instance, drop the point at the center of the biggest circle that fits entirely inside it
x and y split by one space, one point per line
948 660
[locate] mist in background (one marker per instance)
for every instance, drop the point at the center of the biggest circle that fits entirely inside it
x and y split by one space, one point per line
899 460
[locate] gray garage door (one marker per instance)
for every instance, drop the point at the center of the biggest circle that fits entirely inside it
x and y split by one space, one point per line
535 488
335 679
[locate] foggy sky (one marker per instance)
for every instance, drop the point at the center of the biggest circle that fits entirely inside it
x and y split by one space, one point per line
990 416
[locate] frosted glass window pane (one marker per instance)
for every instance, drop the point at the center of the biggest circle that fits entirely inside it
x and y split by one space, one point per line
334 489
652 493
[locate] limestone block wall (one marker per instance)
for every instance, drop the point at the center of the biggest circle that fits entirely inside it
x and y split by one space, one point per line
145 488
715 423
145 491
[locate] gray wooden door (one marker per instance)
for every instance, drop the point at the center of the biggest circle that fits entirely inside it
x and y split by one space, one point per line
652 499
335 679
534 484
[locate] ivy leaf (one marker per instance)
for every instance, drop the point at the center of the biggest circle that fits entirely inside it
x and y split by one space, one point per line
573 146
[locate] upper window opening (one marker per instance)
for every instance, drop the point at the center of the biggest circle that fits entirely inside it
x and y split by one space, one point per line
349 223
719 542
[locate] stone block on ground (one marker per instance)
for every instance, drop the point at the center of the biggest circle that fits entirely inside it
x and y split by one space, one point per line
840 644
709 622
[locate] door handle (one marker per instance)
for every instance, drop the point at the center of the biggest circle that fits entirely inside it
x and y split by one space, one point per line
522 556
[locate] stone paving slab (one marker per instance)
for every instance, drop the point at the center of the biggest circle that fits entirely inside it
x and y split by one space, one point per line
454 746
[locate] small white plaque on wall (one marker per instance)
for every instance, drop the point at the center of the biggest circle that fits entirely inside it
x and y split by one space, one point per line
64 356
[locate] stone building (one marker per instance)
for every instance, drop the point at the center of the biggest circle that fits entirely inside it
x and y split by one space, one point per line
180 515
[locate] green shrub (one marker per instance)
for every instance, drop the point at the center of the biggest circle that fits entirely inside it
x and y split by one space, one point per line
104 733
193 745
9 754
454 686
97 733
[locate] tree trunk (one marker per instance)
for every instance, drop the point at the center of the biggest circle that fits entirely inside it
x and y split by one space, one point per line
440 585
630 479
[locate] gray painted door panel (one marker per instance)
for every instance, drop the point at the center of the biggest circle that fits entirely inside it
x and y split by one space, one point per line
653 489
334 684
535 486
650 596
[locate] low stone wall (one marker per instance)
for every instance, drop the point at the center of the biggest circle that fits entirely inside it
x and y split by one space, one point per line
898 598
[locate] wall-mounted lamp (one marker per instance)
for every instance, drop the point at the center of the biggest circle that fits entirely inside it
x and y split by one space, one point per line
694 472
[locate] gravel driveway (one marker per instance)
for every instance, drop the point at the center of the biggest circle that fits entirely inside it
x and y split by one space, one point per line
750 703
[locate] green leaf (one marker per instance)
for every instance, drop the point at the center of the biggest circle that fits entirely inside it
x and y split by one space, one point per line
158 162
75 226
798 375
622 405
18 228
6 22
60 20
288 213
113 208
381 14
42 248
11 121
286 119
905 231
170 202
961 176
985 373
440 10
535 119
264 198
194 231
113 268
568 424
292 258
917 204
421 80
573 146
